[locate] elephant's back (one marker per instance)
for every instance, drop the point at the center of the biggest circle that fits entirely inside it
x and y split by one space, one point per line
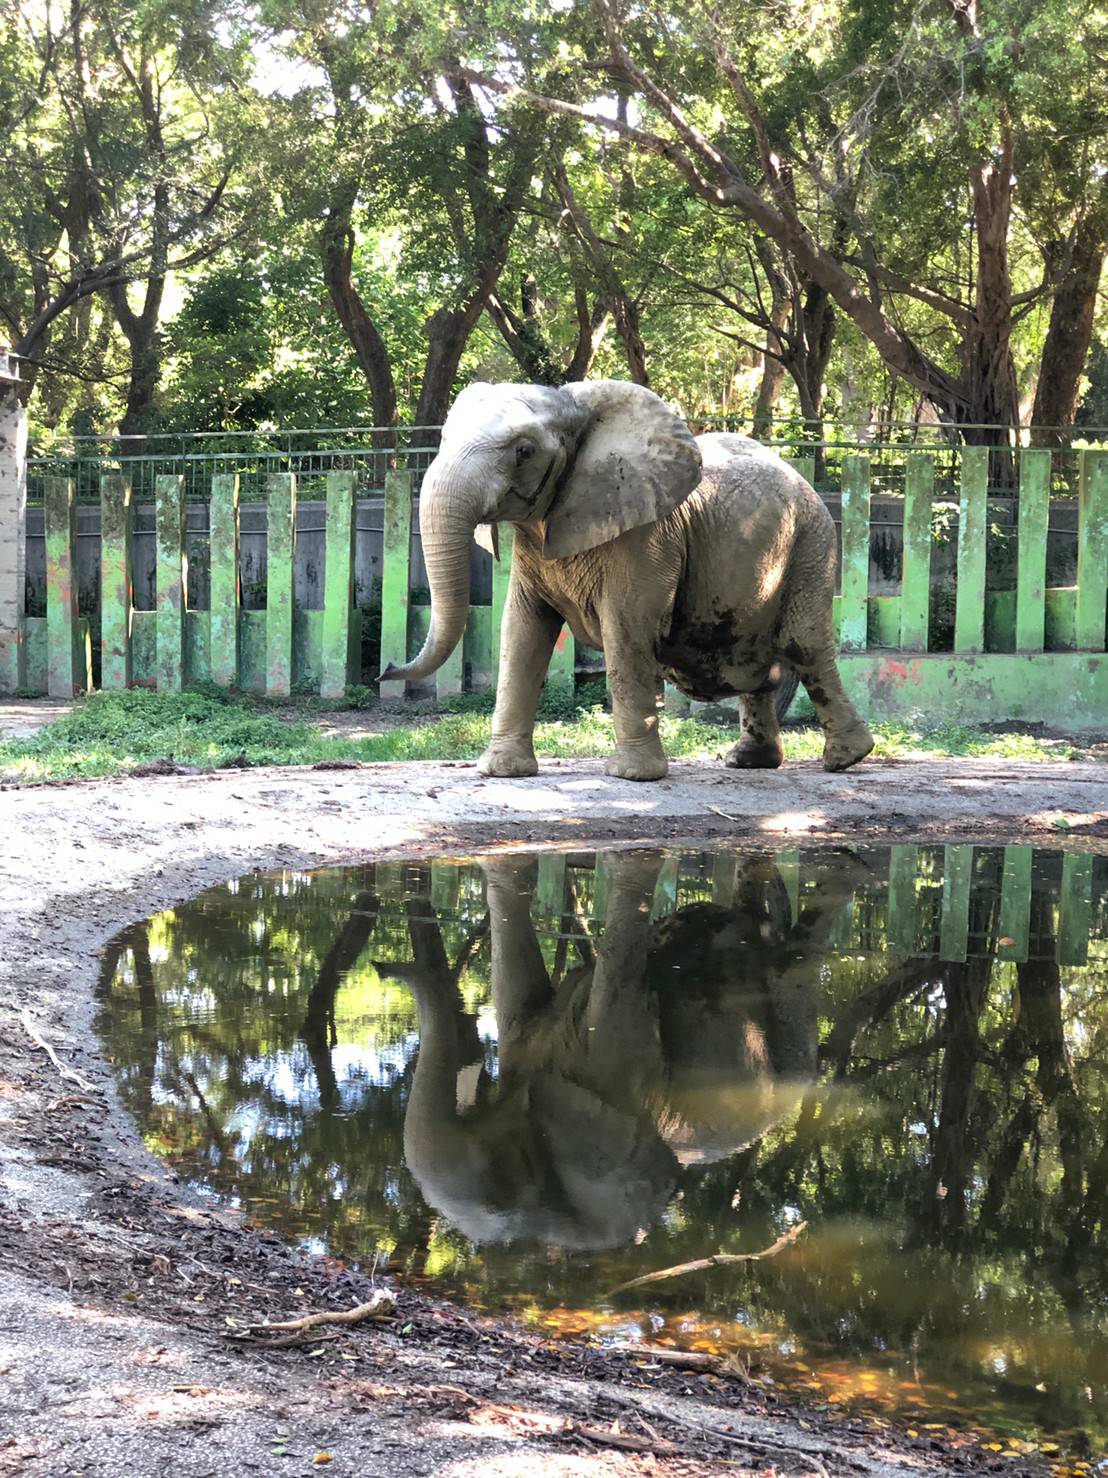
742 520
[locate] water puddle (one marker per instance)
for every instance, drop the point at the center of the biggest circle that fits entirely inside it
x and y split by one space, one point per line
532 1080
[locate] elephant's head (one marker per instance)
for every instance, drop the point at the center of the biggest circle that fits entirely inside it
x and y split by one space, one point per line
583 463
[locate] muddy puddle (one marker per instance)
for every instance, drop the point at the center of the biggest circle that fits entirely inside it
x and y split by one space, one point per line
529 1081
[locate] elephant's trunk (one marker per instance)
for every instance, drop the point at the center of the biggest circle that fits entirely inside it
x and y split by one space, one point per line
447 519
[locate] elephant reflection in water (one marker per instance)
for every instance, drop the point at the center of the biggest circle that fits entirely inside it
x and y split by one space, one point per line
682 1041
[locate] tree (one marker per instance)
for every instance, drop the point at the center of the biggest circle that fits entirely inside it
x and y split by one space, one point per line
124 147
814 145
395 137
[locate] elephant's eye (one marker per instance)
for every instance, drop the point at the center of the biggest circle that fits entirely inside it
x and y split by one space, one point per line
524 452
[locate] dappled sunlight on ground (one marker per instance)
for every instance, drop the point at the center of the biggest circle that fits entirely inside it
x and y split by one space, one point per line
794 821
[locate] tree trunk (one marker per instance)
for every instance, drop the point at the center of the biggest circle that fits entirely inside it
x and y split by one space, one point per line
448 332
773 371
808 365
523 335
624 309
964 987
591 328
626 316
318 1028
141 332
988 371
1069 335
143 385
336 242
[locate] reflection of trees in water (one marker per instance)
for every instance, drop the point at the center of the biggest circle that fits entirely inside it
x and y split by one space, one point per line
960 1105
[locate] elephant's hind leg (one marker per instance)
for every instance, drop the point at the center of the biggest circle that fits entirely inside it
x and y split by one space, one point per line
847 738
760 746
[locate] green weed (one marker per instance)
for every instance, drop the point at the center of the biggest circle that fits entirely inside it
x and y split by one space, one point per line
111 733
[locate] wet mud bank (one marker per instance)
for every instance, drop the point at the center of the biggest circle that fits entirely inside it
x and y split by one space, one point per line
126 1301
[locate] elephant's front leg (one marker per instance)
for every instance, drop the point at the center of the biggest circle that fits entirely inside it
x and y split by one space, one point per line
527 635
633 677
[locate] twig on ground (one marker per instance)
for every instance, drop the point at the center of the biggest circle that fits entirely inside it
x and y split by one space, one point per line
726 815
380 1306
40 1041
758 1444
286 1342
545 1423
628 1441
718 1259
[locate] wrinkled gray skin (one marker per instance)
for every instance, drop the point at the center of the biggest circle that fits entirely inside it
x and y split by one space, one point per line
706 559
630 1069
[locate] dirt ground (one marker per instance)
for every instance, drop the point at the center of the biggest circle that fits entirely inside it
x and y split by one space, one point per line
123 1298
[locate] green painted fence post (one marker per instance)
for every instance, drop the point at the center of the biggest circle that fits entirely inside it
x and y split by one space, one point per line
444 887
63 673
1034 512
601 878
1092 551
915 585
1015 904
395 576
170 602
501 574
115 582
551 889
957 878
450 678
806 466
280 556
223 526
1075 909
973 512
788 865
338 584
842 926
563 663
665 889
854 583
724 879
901 922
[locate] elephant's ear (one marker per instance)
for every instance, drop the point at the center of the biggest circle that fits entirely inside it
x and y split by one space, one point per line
636 460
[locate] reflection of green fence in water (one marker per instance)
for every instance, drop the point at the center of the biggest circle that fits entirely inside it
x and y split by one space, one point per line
1031 653
920 906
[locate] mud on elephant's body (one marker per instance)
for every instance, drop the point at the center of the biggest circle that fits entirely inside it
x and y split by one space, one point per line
707 559
680 1043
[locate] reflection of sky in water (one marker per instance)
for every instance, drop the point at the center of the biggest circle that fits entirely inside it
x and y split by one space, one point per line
883 1274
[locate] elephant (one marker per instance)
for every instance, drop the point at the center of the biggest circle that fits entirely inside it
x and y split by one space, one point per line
675 1043
704 559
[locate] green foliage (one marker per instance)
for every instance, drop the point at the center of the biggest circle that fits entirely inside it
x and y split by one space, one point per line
282 127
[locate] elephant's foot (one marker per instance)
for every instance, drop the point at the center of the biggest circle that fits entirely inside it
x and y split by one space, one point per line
505 758
755 754
845 747
628 763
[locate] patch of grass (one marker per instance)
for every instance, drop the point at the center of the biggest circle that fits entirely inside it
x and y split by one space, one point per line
111 733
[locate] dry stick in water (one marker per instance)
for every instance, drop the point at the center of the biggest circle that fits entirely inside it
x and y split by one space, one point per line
718 1259
40 1041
